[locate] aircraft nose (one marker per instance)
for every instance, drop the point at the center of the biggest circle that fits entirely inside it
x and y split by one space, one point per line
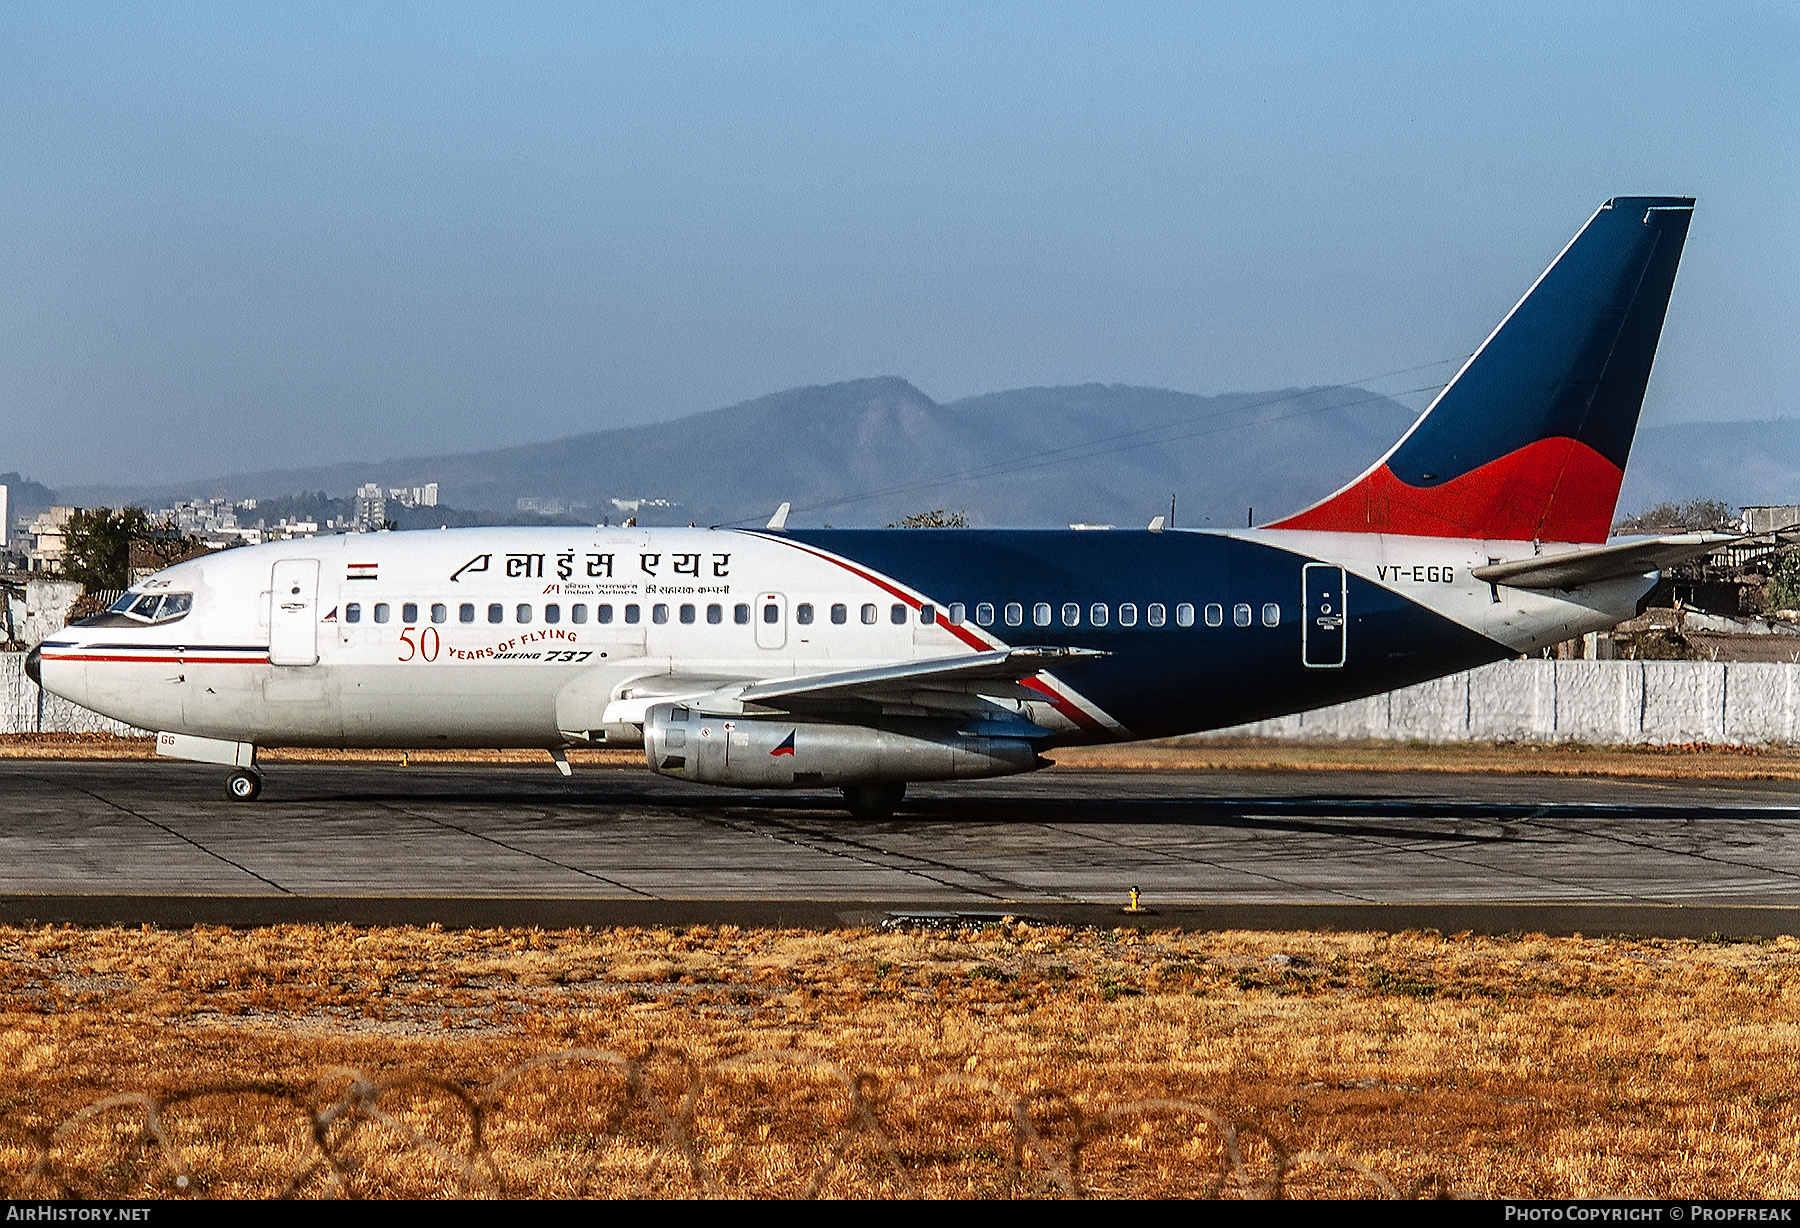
34 666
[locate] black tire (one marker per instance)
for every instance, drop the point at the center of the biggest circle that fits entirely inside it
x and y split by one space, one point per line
874 800
244 785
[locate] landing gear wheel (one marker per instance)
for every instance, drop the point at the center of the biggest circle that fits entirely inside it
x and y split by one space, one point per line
874 801
244 785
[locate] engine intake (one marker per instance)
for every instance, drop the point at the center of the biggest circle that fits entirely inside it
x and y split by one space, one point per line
785 753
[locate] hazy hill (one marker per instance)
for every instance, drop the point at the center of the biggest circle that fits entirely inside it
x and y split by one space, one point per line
1738 462
816 446
870 451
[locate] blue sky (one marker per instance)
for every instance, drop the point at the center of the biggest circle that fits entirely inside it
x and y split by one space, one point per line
235 237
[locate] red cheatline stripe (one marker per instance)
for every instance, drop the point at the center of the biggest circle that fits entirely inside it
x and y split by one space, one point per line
1061 703
190 660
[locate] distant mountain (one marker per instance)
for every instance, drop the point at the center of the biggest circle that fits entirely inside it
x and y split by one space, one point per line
1738 462
871 451
25 498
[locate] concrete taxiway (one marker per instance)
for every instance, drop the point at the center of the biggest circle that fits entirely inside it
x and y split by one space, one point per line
128 842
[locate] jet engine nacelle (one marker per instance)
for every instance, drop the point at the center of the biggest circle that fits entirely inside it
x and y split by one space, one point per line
783 753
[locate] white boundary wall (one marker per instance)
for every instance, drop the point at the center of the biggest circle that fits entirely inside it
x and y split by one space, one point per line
20 712
1602 702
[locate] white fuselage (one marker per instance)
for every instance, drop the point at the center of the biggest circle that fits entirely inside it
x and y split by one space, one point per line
546 637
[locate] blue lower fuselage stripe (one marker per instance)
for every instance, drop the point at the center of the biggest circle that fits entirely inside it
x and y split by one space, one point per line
1171 679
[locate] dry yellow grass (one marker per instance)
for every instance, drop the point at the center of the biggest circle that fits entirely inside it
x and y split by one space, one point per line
1005 1061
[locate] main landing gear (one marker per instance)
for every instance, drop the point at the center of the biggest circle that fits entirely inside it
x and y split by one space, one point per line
244 784
875 800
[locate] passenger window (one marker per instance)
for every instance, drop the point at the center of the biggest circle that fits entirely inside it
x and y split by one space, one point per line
381 611
496 612
466 612
1271 615
771 613
927 615
1097 614
1155 615
984 614
1215 615
1184 615
353 612
440 612
1071 614
687 614
897 614
1240 614
956 614
603 612
840 614
552 613
1015 613
803 613
868 615
659 613
578 612
522 613
1127 614
1040 613
633 613
740 614
409 613
715 614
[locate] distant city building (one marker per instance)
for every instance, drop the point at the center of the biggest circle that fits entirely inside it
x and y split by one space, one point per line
543 505
49 546
415 496
371 509
1769 517
4 541
214 521
287 529
637 505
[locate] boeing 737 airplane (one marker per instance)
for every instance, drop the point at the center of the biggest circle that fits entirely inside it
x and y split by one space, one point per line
861 659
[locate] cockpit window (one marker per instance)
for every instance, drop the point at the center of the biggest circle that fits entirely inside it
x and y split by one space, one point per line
153 607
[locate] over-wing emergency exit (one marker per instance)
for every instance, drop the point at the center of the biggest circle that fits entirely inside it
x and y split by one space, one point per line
862 660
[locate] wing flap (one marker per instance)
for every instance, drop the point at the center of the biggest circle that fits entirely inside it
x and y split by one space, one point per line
1005 665
947 685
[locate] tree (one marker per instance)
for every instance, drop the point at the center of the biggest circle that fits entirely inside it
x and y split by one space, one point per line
99 546
936 518
1690 516
1784 582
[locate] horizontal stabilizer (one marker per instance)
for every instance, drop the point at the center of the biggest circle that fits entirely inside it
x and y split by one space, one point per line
1632 557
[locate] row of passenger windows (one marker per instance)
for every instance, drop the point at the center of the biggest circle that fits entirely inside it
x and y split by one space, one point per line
1043 613
524 612
1099 614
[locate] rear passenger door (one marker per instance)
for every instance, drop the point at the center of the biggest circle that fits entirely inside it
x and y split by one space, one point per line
1324 630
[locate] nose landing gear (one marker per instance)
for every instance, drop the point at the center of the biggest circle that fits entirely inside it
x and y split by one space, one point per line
244 784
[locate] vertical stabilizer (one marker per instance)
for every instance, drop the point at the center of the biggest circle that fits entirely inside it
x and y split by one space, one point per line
1529 441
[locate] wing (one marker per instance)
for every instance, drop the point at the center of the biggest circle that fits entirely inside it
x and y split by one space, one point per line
957 685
